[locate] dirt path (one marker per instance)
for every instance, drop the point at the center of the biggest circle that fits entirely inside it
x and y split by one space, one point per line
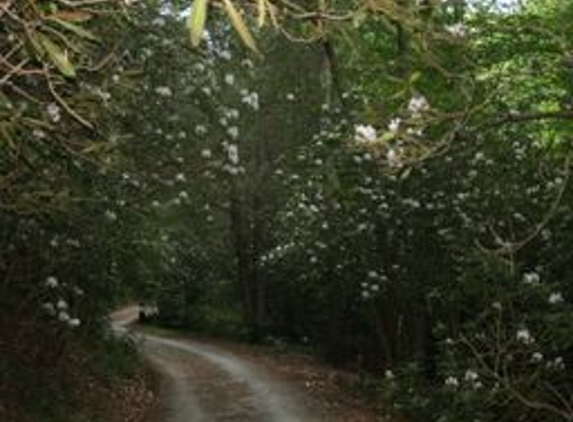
204 382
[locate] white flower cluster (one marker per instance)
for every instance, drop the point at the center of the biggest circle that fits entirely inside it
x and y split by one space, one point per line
536 357
110 215
452 382
371 288
60 309
531 278
394 157
200 130
524 336
277 253
555 298
163 91
418 105
250 98
394 125
457 29
54 112
233 132
225 55
233 153
557 364
472 378
229 79
365 133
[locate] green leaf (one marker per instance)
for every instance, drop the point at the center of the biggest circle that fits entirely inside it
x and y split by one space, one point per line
386 136
196 21
240 25
415 77
76 29
406 173
58 57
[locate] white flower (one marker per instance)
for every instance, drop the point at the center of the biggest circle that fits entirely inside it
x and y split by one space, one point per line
74 322
457 29
233 132
159 21
232 113
62 305
183 195
64 316
54 112
290 96
110 215
233 153
163 91
452 381
388 374
531 278
418 104
536 357
251 99
524 336
556 298
365 133
229 79
394 125
206 153
558 363
39 133
180 177
393 158
471 375
52 282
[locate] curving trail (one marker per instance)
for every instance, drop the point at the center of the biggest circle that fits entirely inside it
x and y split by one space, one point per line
207 384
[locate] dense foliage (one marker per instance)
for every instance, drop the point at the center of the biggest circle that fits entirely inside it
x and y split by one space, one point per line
63 261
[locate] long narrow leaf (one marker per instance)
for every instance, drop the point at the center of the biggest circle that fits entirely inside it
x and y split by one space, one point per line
262 12
240 25
58 57
196 21
76 29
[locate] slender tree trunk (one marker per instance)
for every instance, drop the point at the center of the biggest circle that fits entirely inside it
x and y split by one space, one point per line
239 226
